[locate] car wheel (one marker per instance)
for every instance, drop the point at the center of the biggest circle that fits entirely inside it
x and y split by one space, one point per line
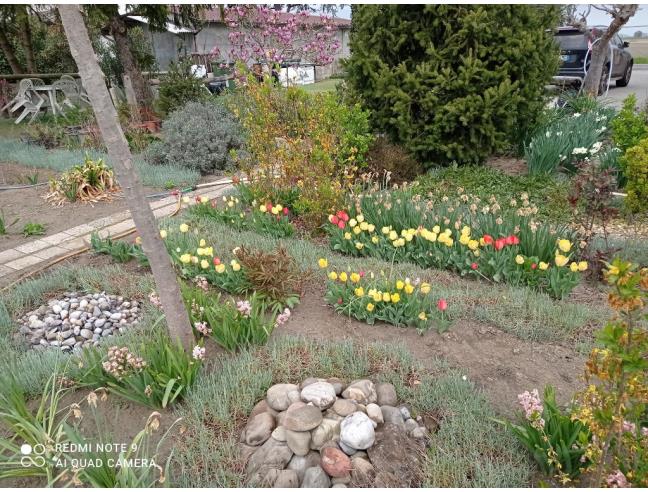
604 80
626 76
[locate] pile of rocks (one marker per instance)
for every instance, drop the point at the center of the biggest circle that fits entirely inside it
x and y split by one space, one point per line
78 320
324 433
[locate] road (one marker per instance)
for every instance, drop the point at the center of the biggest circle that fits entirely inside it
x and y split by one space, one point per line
638 84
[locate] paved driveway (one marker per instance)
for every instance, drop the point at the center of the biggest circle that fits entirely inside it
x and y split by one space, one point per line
638 84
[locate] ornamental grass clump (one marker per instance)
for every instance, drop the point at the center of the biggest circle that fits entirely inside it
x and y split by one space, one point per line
372 298
91 181
460 234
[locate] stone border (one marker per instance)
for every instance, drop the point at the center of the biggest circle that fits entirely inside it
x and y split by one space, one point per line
21 259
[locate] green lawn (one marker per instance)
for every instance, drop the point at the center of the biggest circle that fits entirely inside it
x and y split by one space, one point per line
322 85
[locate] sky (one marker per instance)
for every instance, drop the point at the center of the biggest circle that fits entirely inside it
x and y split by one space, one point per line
638 23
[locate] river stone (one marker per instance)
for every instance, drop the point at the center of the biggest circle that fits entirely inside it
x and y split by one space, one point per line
335 462
316 478
362 391
258 429
392 415
405 413
301 463
298 442
287 479
328 430
344 407
321 394
99 323
279 433
337 383
386 394
357 431
309 381
262 407
418 433
341 480
347 449
410 425
362 472
338 486
277 396
271 454
302 417
375 413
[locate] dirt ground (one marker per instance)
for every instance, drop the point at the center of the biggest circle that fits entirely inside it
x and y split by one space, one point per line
499 363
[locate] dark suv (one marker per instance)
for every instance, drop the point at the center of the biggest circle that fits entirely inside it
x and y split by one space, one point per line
574 44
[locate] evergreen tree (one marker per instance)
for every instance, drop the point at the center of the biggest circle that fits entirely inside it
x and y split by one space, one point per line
452 82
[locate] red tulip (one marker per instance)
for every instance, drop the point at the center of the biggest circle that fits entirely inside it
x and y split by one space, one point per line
516 240
474 266
488 239
334 219
442 305
285 210
533 266
197 198
340 214
269 206
341 224
361 273
217 261
339 301
509 240
500 243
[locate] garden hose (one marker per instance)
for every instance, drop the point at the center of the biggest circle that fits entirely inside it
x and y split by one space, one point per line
589 50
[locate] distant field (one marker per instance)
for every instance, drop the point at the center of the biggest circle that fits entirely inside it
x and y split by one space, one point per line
639 49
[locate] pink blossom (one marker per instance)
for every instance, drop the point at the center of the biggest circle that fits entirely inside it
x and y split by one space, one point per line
244 307
155 300
198 352
617 480
644 431
628 427
203 328
532 406
283 317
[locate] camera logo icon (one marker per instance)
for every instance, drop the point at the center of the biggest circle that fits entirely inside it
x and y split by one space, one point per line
32 456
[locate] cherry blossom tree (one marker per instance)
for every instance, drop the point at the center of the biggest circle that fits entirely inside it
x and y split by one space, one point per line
263 35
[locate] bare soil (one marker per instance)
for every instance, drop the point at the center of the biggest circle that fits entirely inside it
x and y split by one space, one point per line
508 165
499 363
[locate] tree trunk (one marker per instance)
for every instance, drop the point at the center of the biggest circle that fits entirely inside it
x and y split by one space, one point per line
120 156
24 32
119 32
8 52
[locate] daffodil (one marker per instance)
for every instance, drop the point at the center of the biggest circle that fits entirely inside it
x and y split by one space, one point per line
163 234
370 307
184 227
185 258
322 262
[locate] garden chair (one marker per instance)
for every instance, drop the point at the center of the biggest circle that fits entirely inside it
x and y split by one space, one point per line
37 82
70 90
23 87
31 105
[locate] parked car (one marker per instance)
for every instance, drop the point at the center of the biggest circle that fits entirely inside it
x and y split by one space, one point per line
576 42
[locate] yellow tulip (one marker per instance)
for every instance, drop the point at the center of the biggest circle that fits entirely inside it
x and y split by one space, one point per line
263 208
519 259
386 297
360 218
194 259
185 199
400 284
204 264
199 251
409 288
356 230
543 266
163 234
185 258
436 229
204 199
236 267
564 245
230 204
370 307
393 235
359 292
202 243
561 260
343 277
385 230
395 297
464 240
354 277
422 316
353 223
364 226
371 228
347 235
573 266
209 251
582 266
375 239
425 288
220 268
359 246
184 227
323 262
473 244
377 297
332 275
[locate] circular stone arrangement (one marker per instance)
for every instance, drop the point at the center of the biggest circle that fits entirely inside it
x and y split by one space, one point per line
78 320
324 433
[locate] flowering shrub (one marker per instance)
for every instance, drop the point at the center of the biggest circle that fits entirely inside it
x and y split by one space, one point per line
556 442
157 378
265 218
370 299
310 144
615 403
232 326
471 239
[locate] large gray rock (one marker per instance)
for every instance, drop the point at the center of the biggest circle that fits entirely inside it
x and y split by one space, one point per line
279 433
386 394
301 463
316 478
362 391
337 383
298 442
392 415
357 431
362 472
375 413
262 407
258 429
320 394
302 417
272 454
287 479
277 396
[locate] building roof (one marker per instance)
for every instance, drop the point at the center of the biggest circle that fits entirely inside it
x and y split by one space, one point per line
214 15
170 26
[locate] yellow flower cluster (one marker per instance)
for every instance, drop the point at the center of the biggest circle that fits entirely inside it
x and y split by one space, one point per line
565 246
274 210
230 201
